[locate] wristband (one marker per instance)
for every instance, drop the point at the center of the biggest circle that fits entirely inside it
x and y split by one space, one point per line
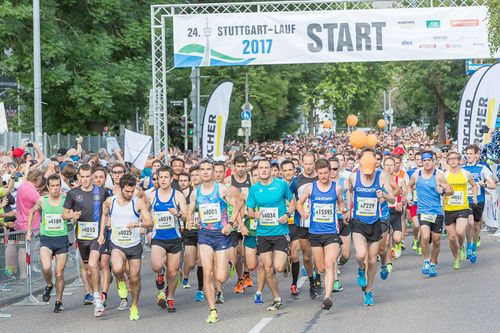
288 214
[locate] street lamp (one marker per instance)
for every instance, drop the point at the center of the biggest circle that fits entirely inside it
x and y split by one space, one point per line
37 77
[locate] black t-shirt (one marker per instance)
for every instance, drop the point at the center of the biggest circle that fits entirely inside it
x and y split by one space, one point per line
89 203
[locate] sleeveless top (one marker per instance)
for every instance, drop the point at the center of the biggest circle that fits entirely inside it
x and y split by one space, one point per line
166 225
323 217
429 201
121 216
366 204
52 224
459 199
212 209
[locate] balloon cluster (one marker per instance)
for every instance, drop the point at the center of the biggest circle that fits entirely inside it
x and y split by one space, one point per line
358 138
491 150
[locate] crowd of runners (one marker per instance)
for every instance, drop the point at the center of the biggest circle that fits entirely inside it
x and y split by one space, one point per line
276 207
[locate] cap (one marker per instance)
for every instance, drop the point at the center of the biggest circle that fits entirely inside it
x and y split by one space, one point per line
399 150
367 164
61 151
18 152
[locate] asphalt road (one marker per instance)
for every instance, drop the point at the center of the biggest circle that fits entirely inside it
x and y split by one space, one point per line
466 300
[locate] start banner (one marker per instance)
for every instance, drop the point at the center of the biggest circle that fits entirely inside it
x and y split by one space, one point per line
331 36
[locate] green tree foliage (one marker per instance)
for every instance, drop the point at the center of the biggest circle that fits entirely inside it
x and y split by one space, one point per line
494 24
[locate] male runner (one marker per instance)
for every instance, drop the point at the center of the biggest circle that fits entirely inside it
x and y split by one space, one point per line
324 196
413 204
83 206
53 238
484 179
430 186
177 166
213 237
167 206
125 215
269 197
456 208
364 188
148 181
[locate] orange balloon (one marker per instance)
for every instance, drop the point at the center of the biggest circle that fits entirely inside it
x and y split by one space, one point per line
381 123
357 139
371 140
352 120
327 123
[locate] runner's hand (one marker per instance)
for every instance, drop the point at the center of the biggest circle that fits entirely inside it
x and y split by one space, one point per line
399 206
474 200
226 230
347 217
305 216
76 215
100 240
380 194
257 215
173 211
244 230
283 219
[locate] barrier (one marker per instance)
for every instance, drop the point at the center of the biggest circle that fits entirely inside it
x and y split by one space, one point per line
21 271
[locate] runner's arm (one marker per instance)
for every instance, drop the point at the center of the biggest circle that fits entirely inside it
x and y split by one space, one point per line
181 201
104 216
145 215
444 184
192 206
36 207
475 189
300 203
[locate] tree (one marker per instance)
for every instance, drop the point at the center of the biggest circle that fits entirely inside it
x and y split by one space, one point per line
494 24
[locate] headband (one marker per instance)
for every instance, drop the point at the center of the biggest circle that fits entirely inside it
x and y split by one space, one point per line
427 155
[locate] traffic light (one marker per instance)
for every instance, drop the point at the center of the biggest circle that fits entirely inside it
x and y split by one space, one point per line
190 129
182 124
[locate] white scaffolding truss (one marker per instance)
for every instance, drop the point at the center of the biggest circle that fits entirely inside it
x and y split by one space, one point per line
159 31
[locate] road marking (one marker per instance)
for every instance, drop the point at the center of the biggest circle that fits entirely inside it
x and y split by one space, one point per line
301 281
257 328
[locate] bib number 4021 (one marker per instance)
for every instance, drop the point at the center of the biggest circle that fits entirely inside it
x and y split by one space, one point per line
256 46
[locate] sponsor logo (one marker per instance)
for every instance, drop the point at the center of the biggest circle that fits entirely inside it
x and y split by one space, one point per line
406 43
406 24
427 46
453 46
79 197
478 44
432 24
440 37
464 23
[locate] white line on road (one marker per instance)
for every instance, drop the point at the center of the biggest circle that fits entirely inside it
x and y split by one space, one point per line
301 281
257 328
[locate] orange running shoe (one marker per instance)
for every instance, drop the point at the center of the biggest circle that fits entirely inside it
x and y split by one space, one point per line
238 289
247 280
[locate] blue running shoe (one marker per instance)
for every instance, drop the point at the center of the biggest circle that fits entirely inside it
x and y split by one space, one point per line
384 272
200 297
303 271
368 298
433 271
361 278
469 250
473 255
258 299
88 299
426 267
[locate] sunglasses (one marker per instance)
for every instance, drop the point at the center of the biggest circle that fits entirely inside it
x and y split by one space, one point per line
155 179
335 169
117 172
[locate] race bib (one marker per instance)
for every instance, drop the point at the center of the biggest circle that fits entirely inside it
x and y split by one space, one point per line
367 206
323 213
428 218
457 199
196 221
54 222
269 217
470 192
210 213
122 235
164 220
88 230
253 224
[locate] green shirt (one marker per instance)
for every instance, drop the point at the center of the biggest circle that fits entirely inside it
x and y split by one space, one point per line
52 224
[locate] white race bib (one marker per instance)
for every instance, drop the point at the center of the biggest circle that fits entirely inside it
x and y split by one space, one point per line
88 230
367 206
470 192
122 235
54 222
253 224
428 218
457 199
196 221
269 216
164 220
323 213
210 213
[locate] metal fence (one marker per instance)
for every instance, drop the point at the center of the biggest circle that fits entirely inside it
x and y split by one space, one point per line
21 271
51 143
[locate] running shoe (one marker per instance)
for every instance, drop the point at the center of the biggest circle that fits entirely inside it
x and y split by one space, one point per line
122 289
185 284
337 286
232 269
276 305
368 298
303 271
161 300
99 308
389 267
433 271
46 293
478 244
393 252
327 303
104 298
160 281
258 299
134 313
361 278
402 244
247 280
469 250
200 297
420 251
415 245
179 279
238 288
426 267
294 290
88 299
213 317
314 292
461 252
473 255
170 305
123 305
384 272
219 298
456 264
397 250
58 307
